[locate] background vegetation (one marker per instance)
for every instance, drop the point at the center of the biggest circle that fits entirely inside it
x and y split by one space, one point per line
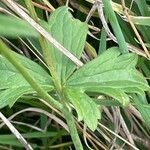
74 74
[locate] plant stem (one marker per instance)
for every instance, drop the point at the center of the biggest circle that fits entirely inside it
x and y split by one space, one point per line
49 62
31 9
7 53
44 45
47 56
73 130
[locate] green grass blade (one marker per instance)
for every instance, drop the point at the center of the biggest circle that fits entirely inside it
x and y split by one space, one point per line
115 25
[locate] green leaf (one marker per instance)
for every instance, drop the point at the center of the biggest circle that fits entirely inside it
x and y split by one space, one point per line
10 77
71 33
86 108
112 74
14 27
11 95
117 94
12 83
107 61
143 107
107 102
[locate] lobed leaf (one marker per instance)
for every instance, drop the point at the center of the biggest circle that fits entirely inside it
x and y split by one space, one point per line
11 95
12 83
112 74
86 108
71 33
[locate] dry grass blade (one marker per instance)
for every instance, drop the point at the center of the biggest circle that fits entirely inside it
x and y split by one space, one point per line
37 53
41 6
3 10
97 5
124 126
59 121
84 136
28 125
42 31
135 148
110 35
49 5
134 29
15 132
116 122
